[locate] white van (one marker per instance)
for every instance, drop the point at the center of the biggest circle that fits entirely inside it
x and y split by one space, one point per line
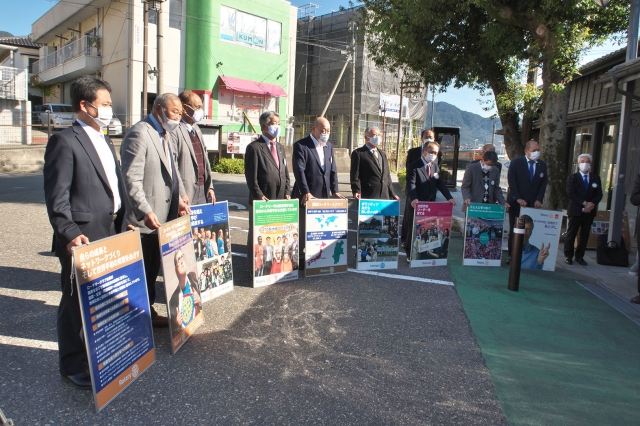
58 115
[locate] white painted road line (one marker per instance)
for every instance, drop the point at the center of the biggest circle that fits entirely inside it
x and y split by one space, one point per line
238 217
239 254
28 343
236 228
401 277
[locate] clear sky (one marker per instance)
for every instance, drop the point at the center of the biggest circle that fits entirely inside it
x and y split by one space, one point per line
18 15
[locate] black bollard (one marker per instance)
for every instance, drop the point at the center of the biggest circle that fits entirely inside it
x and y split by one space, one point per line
516 255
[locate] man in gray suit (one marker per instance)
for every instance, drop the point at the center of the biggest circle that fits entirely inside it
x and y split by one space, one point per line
481 182
190 153
153 184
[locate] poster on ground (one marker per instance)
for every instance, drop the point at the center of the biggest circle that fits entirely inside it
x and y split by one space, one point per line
116 318
483 235
275 245
212 247
181 284
600 226
326 236
377 234
541 238
431 233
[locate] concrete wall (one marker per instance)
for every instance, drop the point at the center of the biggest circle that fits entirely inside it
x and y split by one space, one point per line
22 160
15 118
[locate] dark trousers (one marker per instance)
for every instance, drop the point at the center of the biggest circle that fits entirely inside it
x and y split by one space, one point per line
302 236
152 261
638 242
199 196
514 213
577 226
407 228
71 349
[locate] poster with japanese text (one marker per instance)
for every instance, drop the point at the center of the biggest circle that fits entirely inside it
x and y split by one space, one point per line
483 235
181 283
212 247
326 234
377 234
431 233
541 238
115 312
275 249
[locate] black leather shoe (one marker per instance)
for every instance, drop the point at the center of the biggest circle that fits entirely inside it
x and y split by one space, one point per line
635 299
569 261
81 380
157 320
581 261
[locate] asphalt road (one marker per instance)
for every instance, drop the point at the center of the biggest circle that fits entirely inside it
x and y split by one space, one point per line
341 349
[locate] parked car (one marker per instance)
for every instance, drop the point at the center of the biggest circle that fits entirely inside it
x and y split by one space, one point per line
58 115
114 128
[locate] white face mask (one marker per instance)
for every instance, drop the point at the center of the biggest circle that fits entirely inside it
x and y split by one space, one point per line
374 140
534 155
274 130
105 114
430 157
168 125
198 115
324 138
485 167
427 140
584 167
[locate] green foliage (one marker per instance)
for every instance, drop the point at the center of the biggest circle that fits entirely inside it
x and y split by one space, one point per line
229 165
402 179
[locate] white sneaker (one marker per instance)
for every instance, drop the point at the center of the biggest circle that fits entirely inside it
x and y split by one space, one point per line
634 269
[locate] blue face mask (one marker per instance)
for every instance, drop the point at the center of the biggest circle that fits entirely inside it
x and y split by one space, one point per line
274 130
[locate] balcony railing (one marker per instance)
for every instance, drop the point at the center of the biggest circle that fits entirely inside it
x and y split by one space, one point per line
85 46
13 83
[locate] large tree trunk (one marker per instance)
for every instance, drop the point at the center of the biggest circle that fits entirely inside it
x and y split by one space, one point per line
508 118
527 118
553 123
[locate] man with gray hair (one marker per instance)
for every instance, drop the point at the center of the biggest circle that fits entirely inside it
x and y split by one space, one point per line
370 176
153 184
584 191
265 167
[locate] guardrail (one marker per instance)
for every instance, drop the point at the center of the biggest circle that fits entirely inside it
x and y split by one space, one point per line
85 46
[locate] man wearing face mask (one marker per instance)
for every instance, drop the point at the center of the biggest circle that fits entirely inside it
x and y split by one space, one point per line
265 167
153 183
490 147
414 154
584 190
423 184
86 201
190 152
481 182
315 170
528 179
370 176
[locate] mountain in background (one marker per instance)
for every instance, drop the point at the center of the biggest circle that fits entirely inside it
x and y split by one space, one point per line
5 34
472 126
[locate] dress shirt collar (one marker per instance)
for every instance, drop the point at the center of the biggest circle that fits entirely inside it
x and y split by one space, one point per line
584 174
156 125
371 148
91 132
424 162
189 126
316 142
266 139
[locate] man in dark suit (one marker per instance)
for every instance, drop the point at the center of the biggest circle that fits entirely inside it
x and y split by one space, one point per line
423 184
315 170
528 179
154 185
370 176
414 154
635 200
489 147
86 199
481 182
584 190
265 167
190 152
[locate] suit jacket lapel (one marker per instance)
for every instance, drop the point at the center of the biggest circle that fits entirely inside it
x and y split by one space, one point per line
267 152
86 143
155 137
184 132
327 158
373 158
314 152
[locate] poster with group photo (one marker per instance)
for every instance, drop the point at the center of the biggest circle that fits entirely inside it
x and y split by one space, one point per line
181 283
483 235
541 238
431 233
115 310
326 234
212 247
377 234
275 245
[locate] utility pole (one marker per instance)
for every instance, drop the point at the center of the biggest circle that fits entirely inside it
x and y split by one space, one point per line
412 88
433 104
493 135
384 122
352 133
160 47
145 60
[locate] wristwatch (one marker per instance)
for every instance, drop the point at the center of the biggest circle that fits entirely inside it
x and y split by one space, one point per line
584 204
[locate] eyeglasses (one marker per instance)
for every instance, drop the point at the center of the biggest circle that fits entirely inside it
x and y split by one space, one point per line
195 108
180 258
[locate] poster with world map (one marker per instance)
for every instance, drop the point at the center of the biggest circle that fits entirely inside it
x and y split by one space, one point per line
326 237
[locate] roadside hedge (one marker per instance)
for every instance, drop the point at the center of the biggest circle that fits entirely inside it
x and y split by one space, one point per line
229 165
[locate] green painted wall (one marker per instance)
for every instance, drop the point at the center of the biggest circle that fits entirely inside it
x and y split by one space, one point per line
204 49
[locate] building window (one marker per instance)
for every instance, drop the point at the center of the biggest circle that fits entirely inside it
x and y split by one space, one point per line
175 13
250 30
31 62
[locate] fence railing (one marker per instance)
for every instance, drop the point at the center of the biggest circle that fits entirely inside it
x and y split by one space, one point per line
85 46
13 83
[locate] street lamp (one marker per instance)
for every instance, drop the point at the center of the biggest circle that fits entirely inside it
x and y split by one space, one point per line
602 3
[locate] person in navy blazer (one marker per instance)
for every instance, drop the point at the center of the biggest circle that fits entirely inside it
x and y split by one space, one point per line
86 201
370 176
528 179
584 190
423 184
314 168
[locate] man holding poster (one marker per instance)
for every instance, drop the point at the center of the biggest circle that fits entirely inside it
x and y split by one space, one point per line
370 176
85 198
